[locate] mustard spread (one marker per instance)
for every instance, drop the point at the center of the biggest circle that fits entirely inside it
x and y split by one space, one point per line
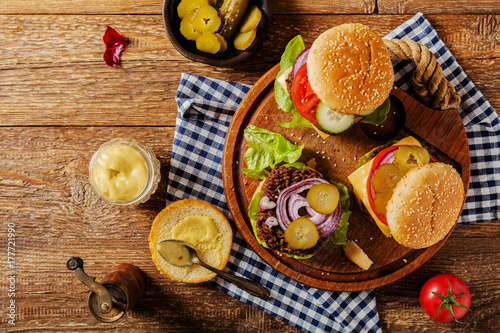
199 231
121 172
174 252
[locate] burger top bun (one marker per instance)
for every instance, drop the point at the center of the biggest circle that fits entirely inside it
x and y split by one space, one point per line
164 227
425 205
349 69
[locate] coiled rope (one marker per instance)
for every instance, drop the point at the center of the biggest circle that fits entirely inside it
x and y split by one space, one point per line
428 80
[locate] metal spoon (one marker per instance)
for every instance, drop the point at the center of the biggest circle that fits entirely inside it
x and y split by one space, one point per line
178 260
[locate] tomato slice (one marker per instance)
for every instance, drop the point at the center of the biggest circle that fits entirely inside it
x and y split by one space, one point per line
303 97
369 188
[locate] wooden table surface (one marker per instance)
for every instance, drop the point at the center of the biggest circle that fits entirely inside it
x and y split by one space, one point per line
59 102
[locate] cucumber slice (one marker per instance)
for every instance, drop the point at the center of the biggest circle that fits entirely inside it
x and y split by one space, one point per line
332 121
366 113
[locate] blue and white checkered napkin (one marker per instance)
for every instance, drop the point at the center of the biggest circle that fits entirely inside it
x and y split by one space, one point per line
481 122
206 107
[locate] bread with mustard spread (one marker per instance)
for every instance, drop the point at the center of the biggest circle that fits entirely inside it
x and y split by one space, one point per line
213 246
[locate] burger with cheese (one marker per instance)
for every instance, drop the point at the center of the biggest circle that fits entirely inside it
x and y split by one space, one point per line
343 78
409 194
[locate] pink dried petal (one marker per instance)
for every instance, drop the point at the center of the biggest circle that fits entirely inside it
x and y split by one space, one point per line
115 43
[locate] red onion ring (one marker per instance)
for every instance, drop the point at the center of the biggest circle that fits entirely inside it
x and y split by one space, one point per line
271 221
300 60
282 202
265 203
290 201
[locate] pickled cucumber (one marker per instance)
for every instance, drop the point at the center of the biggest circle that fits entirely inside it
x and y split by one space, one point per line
206 19
208 42
222 41
381 199
323 198
407 157
251 19
387 175
187 29
243 40
301 234
186 6
232 12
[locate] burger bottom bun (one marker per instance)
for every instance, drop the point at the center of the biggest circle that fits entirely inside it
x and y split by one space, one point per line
425 205
162 227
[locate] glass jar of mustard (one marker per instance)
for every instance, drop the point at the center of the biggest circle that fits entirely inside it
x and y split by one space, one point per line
124 172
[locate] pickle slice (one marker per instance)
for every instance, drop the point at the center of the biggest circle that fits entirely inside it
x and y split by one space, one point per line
251 19
222 42
381 199
187 29
243 40
186 6
206 19
323 198
387 175
208 42
301 234
407 157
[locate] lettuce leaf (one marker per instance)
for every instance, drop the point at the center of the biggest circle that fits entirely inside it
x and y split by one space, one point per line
252 214
339 236
292 50
380 114
266 149
363 160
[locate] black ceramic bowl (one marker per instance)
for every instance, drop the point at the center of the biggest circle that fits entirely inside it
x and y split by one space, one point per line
231 56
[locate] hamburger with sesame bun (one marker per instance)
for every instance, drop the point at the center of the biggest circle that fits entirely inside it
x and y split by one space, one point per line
343 78
408 193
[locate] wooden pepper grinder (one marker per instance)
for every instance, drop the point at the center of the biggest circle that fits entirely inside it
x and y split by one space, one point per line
119 290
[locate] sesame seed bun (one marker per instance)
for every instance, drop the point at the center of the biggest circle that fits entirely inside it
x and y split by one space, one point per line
425 205
162 228
349 69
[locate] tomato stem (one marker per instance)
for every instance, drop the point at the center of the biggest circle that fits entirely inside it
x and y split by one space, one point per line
449 300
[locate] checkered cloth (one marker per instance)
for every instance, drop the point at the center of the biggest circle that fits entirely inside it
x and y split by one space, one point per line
206 107
480 120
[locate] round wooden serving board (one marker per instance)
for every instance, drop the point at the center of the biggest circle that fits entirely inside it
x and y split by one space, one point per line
337 157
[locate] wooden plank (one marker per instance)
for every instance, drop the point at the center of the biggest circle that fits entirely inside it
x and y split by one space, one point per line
46 40
155 7
145 83
331 272
43 181
152 7
398 303
438 7
46 194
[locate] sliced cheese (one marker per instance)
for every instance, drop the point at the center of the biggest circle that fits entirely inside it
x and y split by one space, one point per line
359 179
357 255
282 79
321 133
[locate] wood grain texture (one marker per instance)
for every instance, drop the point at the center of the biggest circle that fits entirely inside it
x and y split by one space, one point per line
438 7
45 192
58 102
68 84
155 6
336 158
43 181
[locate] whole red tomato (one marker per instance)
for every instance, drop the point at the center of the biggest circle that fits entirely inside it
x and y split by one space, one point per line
445 297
